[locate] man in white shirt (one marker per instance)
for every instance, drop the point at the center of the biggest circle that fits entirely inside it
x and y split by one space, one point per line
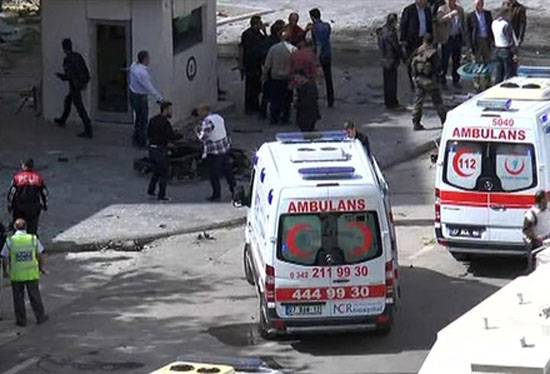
505 45
141 87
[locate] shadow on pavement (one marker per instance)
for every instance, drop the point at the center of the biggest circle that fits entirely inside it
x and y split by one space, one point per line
497 267
430 301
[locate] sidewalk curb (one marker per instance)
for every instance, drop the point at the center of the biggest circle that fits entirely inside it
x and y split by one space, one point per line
136 243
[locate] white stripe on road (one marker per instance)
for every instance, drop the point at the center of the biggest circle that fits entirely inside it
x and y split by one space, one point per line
22 366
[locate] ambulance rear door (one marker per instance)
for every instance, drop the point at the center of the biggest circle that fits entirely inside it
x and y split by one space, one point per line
464 214
516 181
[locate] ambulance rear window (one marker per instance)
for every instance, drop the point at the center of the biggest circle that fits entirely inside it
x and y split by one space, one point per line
329 239
489 166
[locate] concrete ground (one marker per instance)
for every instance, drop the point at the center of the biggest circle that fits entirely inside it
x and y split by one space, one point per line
185 296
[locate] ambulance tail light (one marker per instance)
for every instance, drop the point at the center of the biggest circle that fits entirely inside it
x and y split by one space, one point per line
269 284
391 275
437 206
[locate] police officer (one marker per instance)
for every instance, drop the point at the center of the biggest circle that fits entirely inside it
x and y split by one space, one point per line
23 253
27 196
425 67
160 133
536 224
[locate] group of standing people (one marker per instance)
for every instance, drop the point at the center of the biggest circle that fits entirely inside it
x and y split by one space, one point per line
282 68
431 37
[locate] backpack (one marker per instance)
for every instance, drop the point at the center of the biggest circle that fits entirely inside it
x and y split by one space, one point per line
82 71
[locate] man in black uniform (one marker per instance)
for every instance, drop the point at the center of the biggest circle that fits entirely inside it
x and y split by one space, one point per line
76 73
160 133
353 133
252 51
27 196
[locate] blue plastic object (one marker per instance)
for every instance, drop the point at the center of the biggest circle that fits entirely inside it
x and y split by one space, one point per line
473 70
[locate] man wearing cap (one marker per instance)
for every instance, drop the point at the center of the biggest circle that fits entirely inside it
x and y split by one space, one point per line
22 259
160 133
28 196
353 133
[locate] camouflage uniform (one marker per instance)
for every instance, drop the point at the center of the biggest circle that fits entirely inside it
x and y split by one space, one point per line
425 65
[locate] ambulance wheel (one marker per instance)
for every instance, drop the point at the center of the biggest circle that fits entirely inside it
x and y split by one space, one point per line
263 326
383 331
248 273
461 256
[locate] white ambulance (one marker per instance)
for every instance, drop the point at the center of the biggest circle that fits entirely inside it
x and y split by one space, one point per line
494 156
320 244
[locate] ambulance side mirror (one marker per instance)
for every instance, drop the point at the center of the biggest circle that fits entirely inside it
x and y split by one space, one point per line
240 198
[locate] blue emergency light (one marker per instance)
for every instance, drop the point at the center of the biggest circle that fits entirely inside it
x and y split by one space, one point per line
498 105
311 137
333 172
534 71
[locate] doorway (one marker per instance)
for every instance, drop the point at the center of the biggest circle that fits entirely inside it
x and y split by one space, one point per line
113 57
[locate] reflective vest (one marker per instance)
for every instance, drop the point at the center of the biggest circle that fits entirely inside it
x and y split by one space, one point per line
23 251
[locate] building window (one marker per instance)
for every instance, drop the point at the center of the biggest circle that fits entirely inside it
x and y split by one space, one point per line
187 30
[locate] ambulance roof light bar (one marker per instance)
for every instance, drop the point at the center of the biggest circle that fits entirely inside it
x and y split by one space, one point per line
497 105
312 137
334 172
534 71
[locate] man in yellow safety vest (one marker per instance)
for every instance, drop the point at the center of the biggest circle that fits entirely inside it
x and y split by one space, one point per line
23 261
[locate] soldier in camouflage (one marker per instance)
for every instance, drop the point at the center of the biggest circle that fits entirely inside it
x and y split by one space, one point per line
425 66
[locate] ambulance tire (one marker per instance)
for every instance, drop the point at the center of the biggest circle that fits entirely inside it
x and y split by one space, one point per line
248 273
462 257
263 326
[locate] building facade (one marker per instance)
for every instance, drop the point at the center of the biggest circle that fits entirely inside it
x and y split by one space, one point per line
180 36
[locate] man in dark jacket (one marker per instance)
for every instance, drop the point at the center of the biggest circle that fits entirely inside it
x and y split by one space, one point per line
160 133
391 57
252 52
77 75
353 133
519 18
27 196
479 37
425 67
273 38
416 21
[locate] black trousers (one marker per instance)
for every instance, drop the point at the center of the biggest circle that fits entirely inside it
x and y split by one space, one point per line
252 90
18 291
74 97
161 164
31 216
140 106
451 50
218 166
326 65
390 87
266 94
280 98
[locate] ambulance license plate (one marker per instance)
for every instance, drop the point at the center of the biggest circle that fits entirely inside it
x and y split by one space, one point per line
304 309
465 232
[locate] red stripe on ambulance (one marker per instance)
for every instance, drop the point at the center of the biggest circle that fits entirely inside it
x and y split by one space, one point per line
330 293
483 199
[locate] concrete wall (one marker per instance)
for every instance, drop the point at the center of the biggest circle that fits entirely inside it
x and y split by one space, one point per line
188 94
151 28
61 19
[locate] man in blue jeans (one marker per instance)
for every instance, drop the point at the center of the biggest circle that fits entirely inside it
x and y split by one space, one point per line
141 87
321 35
505 45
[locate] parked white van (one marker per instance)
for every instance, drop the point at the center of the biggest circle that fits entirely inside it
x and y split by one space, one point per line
320 245
494 156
